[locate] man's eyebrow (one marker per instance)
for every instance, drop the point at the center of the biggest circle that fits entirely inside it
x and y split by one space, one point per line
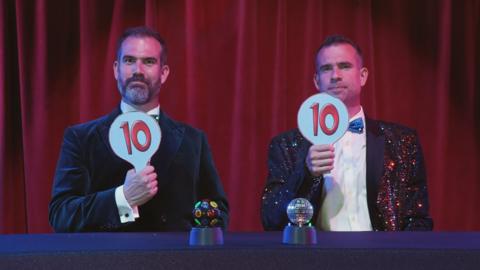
343 63
141 58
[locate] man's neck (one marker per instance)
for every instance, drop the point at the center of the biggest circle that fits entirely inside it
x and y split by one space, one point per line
352 111
144 107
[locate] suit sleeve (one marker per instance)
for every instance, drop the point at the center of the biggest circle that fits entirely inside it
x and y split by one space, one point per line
210 186
287 179
72 208
417 217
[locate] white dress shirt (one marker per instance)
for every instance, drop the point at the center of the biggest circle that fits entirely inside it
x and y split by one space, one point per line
127 212
344 197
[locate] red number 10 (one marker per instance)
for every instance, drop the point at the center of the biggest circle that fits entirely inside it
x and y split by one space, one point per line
136 128
328 109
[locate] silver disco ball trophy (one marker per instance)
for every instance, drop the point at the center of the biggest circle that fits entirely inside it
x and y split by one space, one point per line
299 231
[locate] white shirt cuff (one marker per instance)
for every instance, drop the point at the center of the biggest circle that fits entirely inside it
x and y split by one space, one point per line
125 211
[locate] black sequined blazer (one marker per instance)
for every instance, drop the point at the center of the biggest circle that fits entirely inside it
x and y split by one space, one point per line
396 179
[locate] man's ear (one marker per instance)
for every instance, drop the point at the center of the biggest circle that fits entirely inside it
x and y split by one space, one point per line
115 70
363 76
316 81
165 72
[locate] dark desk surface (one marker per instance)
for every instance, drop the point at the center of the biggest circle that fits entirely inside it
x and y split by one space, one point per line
365 250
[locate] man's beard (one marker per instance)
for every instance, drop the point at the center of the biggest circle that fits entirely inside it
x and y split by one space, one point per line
137 90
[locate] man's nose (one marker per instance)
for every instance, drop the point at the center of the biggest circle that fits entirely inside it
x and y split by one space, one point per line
336 75
138 67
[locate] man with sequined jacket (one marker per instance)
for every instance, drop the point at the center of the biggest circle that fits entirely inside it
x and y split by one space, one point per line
373 178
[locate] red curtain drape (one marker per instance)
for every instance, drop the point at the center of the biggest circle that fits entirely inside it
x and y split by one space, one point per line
239 71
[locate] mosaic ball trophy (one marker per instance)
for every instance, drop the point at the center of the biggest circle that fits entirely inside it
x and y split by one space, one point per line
206 230
299 230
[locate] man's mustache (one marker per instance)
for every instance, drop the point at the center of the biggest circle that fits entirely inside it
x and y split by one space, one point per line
137 78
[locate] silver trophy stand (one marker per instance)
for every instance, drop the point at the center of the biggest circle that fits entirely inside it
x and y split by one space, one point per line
296 235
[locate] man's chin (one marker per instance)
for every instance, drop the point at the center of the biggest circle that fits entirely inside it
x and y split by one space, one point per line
137 97
138 102
337 94
137 88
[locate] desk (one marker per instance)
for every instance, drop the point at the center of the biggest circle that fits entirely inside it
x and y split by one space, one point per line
335 250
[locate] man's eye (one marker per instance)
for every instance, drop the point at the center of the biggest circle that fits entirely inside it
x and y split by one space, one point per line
344 66
129 60
150 61
325 68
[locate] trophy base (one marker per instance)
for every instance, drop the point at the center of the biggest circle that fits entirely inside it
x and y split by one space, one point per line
305 235
206 236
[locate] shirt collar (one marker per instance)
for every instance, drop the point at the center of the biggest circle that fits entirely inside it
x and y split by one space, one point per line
125 107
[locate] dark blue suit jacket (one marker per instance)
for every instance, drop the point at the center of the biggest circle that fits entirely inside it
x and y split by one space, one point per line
397 195
83 195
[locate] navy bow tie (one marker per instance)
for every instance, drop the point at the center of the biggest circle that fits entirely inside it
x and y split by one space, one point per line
356 126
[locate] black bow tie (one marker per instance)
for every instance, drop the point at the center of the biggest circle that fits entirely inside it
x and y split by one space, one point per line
156 117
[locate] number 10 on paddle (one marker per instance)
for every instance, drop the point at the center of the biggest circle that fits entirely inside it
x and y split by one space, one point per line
322 119
131 136
135 137
327 113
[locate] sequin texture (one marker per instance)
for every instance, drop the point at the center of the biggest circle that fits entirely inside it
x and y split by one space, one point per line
402 189
400 198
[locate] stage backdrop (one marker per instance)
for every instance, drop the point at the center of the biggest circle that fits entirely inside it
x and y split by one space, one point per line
239 71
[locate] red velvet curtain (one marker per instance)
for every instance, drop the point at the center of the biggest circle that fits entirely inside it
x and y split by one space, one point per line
239 71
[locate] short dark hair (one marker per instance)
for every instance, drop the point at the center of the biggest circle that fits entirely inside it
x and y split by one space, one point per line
143 31
334 40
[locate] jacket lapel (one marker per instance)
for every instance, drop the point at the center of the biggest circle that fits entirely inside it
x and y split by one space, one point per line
375 161
104 128
172 136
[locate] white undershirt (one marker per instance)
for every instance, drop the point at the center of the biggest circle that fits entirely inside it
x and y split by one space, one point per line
344 196
127 212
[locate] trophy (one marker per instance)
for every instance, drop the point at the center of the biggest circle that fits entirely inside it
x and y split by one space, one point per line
299 230
206 230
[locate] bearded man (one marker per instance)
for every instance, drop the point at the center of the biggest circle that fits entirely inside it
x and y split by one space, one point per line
94 190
